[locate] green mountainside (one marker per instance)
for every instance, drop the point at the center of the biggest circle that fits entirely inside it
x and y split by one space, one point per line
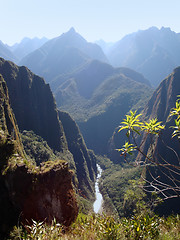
159 105
152 52
165 148
84 159
98 96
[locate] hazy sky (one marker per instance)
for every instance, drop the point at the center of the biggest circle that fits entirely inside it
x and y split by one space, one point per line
93 19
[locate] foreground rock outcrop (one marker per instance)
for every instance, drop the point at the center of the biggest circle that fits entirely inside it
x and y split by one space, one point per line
43 193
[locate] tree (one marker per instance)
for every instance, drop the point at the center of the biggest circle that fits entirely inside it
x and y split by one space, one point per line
153 129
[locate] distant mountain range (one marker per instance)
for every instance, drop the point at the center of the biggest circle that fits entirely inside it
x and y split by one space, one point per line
19 50
62 55
152 52
106 46
6 53
26 46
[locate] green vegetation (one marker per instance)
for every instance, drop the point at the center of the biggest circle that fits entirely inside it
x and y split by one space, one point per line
176 112
36 148
119 185
104 88
40 154
98 96
106 108
97 227
134 126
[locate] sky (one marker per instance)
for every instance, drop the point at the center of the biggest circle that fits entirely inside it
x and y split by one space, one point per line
109 20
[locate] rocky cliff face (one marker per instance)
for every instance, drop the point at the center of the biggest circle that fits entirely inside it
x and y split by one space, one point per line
164 97
160 105
35 109
33 104
162 101
166 150
27 191
43 194
84 161
9 140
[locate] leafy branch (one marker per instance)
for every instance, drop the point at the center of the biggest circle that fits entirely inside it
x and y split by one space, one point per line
136 127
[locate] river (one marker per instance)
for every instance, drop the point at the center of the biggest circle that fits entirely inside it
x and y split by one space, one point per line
99 199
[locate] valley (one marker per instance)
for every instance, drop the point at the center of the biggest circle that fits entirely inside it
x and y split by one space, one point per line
63 102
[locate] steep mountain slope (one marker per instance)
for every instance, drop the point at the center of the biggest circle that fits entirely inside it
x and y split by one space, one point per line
160 105
33 104
98 96
62 55
6 53
27 46
8 128
152 52
35 109
84 159
166 150
10 147
106 46
27 191
162 101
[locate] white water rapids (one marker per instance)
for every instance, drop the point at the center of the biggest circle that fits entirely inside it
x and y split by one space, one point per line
99 199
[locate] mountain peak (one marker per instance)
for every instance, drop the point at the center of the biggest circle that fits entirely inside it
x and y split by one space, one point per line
71 30
167 29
